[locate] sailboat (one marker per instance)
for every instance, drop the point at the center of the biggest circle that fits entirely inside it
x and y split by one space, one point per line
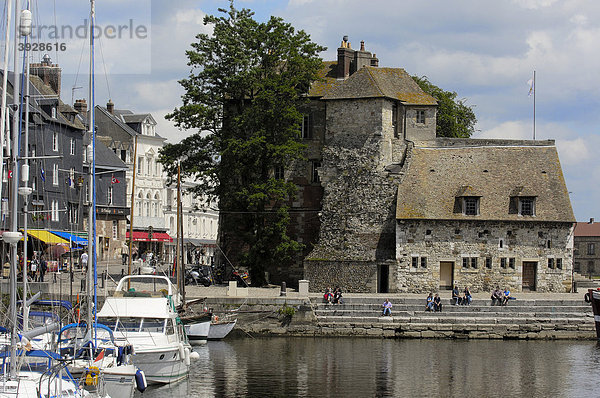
106 366
25 372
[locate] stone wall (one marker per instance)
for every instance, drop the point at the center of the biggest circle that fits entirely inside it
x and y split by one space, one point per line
351 276
454 240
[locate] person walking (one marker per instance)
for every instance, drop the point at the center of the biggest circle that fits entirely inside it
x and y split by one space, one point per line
84 262
43 268
124 253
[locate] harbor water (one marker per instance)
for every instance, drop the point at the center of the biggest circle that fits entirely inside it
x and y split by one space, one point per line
362 367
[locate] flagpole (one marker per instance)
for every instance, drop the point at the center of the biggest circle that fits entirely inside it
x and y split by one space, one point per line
534 105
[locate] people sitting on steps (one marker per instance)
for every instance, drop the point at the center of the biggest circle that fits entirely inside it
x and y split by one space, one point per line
455 296
387 308
429 304
497 296
337 296
437 303
467 297
328 296
506 296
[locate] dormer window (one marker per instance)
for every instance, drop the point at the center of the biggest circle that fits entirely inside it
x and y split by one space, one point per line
470 205
53 113
526 206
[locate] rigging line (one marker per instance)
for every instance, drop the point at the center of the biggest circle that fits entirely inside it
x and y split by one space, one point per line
56 38
104 66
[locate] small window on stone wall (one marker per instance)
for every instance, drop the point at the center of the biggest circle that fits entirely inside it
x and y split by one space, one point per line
488 262
551 263
501 244
465 262
423 262
576 267
473 262
511 262
415 262
559 263
503 262
548 244
420 117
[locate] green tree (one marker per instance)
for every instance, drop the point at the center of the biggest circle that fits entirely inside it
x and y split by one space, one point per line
454 118
247 82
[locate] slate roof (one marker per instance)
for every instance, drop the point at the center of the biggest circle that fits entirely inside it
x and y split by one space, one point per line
437 176
327 80
587 229
106 158
376 82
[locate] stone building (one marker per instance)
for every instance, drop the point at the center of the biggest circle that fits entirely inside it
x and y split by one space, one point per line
586 251
404 211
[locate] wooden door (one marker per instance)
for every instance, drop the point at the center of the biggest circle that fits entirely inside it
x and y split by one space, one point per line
529 273
446 274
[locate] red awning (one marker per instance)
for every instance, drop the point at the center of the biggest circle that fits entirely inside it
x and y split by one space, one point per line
142 236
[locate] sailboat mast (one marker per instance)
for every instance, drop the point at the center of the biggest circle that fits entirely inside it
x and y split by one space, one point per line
25 180
180 242
14 182
178 248
131 210
91 271
5 85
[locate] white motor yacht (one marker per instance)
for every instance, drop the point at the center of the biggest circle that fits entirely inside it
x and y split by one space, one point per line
142 312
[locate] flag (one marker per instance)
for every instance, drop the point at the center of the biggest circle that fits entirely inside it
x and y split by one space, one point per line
114 180
43 174
9 173
531 87
99 357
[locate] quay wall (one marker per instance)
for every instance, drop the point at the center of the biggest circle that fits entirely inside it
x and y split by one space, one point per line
268 317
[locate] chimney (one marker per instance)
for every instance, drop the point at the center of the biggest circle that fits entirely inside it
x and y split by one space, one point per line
591 220
345 55
363 58
48 72
81 106
110 107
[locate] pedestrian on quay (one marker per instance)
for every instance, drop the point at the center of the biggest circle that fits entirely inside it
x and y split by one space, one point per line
429 304
84 262
455 296
43 268
124 253
337 296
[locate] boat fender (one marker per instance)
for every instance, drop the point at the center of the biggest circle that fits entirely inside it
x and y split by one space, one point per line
140 380
187 357
181 351
587 298
194 355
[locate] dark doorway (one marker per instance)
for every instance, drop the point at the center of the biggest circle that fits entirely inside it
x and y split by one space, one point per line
529 274
383 278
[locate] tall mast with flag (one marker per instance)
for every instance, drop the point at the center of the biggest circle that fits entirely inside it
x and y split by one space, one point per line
532 92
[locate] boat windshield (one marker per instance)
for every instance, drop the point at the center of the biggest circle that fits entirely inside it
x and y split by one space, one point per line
128 325
153 325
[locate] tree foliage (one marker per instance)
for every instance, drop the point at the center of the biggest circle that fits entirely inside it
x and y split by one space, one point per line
454 118
247 81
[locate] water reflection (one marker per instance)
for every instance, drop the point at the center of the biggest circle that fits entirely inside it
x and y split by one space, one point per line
316 367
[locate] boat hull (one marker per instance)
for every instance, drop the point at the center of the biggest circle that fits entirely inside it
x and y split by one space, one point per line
594 297
197 332
218 330
161 366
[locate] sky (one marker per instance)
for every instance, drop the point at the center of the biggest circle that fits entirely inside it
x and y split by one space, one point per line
485 50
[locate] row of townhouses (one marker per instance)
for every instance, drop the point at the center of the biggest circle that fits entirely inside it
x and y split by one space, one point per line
59 147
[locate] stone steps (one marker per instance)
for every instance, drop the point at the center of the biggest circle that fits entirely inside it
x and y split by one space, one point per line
447 301
462 314
461 308
456 319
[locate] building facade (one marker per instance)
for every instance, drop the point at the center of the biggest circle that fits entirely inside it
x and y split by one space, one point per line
404 211
587 248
